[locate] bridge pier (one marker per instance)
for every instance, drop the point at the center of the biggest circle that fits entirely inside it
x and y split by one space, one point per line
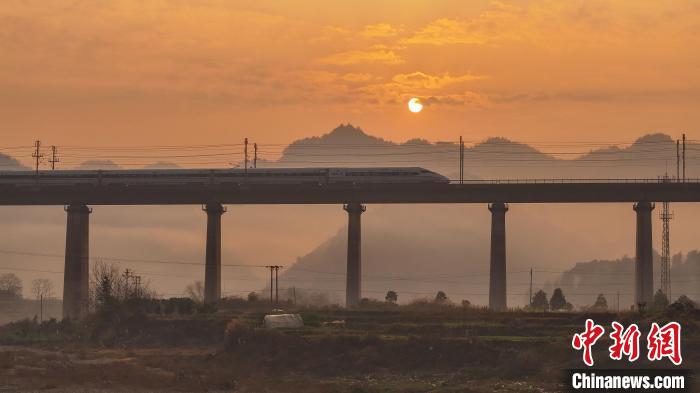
353 285
643 263
497 277
212 267
76 273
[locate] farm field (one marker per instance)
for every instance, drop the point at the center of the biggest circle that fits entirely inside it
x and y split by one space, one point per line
384 350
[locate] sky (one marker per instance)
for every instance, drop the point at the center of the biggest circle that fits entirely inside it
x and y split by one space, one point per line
564 74
175 72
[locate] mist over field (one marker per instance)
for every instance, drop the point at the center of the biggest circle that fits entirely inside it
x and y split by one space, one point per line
413 249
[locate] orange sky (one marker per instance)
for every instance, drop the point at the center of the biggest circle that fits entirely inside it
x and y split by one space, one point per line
181 72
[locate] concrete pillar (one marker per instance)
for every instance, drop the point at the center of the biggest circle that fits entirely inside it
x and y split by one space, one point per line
353 285
643 264
497 278
212 268
76 273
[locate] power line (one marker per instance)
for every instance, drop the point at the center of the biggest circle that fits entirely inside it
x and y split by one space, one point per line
423 278
119 259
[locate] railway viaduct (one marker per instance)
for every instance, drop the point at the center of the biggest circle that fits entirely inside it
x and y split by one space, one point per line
77 200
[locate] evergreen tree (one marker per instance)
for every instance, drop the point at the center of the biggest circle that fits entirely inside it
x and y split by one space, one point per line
558 301
601 303
539 301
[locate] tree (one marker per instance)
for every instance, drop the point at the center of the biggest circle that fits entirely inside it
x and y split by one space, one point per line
106 284
392 297
683 299
253 297
42 288
11 284
682 306
195 291
601 303
558 301
109 287
539 301
440 297
660 300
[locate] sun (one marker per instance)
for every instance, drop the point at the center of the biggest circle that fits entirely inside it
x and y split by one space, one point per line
415 105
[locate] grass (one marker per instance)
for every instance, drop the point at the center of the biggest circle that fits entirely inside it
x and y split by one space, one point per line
405 350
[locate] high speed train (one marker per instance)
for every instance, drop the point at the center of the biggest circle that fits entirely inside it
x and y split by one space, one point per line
222 176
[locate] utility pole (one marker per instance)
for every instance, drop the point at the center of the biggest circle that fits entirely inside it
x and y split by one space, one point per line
128 275
137 280
683 158
274 269
461 160
277 285
294 294
272 304
530 287
37 155
618 302
41 308
54 159
245 153
678 161
255 155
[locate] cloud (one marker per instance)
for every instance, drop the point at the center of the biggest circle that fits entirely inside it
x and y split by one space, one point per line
380 30
420 80
501 21
86 52
443 89
357 77
467 98
377 54
445 31
329 33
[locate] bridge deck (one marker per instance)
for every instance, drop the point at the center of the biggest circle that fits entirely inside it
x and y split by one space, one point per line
512 191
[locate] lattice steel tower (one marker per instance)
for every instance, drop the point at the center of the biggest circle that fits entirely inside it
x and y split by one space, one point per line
666 217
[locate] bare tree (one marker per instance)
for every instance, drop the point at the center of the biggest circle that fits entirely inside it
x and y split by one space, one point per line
42 288
11 284
195 291
106 284
110 285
